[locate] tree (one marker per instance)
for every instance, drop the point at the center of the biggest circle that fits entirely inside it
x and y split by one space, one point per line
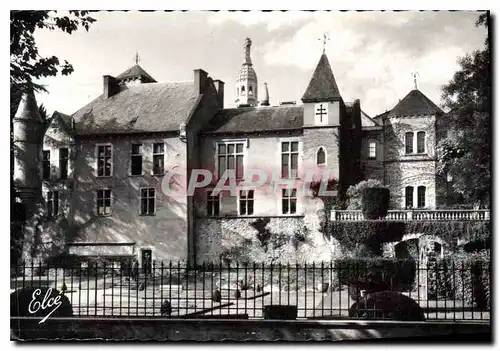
466 151
26 64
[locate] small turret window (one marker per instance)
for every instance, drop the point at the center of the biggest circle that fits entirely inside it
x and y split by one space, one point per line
242 89
321 157
237 91
250 90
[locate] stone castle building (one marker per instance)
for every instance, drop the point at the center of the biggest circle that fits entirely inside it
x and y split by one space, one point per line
103 169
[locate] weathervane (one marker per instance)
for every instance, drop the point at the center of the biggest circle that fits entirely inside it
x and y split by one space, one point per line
325 39
136 57
414 75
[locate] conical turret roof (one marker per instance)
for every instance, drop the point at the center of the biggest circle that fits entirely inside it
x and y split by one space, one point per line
28 108
415 103
322 86
135 72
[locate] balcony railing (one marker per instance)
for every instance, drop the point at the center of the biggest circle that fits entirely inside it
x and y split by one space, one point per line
417 215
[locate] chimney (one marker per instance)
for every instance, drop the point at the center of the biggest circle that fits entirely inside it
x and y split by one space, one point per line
200 79
219 86
110 86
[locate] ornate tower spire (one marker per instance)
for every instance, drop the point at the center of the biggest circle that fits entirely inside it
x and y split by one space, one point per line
414 75
246 82
265 101
248 44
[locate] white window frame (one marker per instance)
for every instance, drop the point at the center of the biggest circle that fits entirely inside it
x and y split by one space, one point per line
132 154
96 198
370 143
321 120
147 198
208 194
415 142
97 160
247 200
226 142
289 198
415 138
299 158
155 154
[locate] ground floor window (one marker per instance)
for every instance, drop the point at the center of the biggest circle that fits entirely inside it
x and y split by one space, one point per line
104 202
246 202
213 205
148 201
289 201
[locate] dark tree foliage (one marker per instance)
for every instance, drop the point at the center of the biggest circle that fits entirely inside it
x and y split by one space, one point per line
26 64
466 151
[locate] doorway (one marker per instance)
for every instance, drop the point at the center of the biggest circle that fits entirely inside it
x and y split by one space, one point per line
147 260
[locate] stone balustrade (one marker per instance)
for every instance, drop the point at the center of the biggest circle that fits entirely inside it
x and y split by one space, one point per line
417 215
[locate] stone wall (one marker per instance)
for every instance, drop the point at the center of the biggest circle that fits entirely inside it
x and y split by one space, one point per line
268 239
415 170
165 232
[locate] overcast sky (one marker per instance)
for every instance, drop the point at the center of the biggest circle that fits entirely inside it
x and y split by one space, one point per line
372 54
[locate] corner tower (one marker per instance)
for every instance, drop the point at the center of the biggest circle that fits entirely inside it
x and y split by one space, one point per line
246 82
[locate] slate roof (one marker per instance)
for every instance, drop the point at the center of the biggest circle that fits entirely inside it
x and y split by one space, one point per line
136 71
256 119
322 86
150 107
415 103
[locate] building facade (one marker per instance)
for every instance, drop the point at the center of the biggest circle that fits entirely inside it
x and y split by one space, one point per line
105 169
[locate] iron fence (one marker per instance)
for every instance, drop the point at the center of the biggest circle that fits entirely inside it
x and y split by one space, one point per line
402 290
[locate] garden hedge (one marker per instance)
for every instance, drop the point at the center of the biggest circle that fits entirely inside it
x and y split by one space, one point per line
375 202
462 277
374 233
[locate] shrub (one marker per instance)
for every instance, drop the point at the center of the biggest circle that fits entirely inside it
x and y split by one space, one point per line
355 192
387 305
463 277
350 234
375 274
375 202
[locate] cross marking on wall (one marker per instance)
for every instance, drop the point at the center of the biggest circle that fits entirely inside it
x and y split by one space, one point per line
321 111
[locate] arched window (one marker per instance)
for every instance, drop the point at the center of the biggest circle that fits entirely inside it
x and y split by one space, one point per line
321 157
372 149
250 90
409 197
420 142
242 89
409 143
421 197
